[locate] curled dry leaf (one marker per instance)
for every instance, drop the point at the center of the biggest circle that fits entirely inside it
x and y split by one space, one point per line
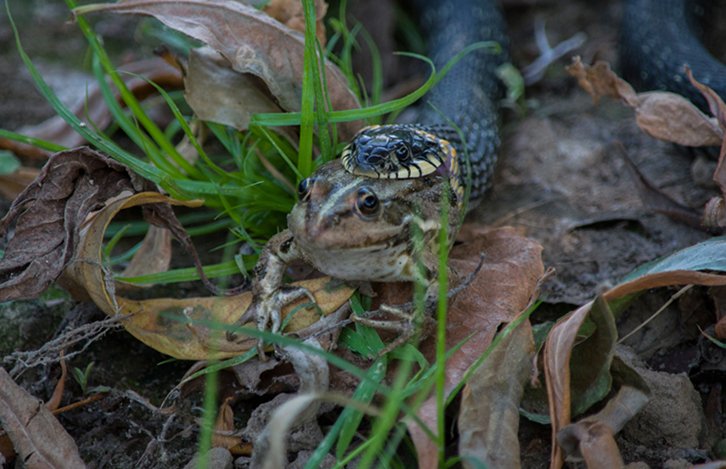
714 213
223 436
593 442
593 438
662 115
91 107
680 268
185 328
153 255
37 436
590 367
500 291
48 216
251 42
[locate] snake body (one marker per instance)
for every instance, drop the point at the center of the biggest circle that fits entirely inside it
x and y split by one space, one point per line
463 104
660 37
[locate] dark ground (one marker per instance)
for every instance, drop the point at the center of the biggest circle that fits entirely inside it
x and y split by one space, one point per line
561 180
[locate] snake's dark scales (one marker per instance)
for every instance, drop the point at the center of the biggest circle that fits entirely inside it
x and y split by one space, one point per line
658 37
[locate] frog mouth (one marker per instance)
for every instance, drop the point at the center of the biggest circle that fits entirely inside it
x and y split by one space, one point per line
365 245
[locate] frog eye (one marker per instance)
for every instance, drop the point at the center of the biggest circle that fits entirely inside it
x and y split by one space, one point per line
303 189
367 202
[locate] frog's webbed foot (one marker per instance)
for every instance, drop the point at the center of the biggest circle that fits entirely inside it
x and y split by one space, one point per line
267 309
408 322
405 320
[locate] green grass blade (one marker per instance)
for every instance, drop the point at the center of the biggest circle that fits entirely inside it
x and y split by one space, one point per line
126 95
36 142
307 107
129 127
293 118
187 274
350 418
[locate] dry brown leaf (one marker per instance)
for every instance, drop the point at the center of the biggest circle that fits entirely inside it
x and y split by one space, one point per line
488 427
662 115
562 337
290 13
557 353
592 439
715 103
657 200
224 426
153 255
714 212
594 443
55 400
91 108
48 215
38 437
251 41
185 328
673 118
11 185
664 279
596 370
219 94
600 81
502 289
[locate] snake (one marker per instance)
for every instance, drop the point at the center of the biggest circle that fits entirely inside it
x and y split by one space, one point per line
457 127
659 38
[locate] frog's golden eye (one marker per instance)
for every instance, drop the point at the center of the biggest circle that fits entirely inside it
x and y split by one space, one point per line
303 189
367 202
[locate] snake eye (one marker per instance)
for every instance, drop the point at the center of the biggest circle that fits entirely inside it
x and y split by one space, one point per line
303 189
402 153
367 202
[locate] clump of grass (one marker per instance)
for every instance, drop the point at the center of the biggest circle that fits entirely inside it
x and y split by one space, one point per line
241 194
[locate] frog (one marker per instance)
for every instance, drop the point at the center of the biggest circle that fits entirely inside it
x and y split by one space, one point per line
356 216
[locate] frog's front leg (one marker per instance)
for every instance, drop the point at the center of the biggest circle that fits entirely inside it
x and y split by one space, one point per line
405 319
269 294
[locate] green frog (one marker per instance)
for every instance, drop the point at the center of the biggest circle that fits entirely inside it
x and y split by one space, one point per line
356 216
